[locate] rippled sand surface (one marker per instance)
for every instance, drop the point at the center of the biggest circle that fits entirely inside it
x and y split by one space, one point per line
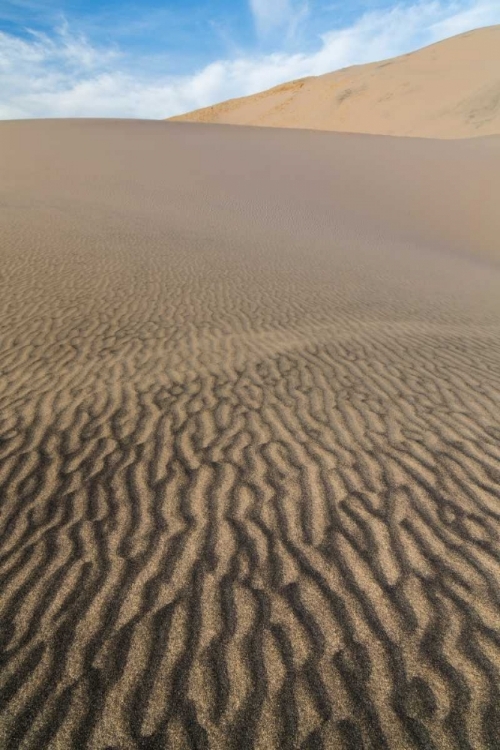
249 439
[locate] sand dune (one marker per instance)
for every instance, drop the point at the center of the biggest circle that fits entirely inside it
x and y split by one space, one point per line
249 439
448 90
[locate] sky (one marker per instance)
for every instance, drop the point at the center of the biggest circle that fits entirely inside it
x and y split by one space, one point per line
157 58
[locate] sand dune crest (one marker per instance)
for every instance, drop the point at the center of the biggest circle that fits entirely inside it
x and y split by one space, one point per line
448 90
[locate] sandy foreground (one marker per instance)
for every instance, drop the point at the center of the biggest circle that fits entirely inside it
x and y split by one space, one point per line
447 90
249 438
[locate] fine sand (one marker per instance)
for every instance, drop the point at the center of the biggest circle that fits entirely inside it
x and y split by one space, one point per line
448 90
249 439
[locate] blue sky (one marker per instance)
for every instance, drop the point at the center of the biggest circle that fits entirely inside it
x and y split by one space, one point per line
155 58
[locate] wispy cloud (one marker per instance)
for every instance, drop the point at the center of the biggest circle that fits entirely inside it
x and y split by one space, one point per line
268 14
278 15
64 75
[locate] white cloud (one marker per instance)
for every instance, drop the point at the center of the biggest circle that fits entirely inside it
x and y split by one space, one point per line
282 15
65 76
464 18
272 14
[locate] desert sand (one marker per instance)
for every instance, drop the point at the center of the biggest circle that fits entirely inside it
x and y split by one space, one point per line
249 439
448 90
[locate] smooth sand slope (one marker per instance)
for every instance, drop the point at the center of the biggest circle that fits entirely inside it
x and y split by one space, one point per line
448 90
249 439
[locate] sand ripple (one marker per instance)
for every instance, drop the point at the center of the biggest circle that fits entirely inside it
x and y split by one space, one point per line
249 465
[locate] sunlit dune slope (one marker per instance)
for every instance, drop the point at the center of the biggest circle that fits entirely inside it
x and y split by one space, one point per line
448 90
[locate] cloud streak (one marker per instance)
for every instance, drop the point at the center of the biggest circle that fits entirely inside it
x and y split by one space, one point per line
268 14
272 15
64 75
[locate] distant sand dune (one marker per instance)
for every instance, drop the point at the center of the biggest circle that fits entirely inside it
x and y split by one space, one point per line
448 90
249 439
